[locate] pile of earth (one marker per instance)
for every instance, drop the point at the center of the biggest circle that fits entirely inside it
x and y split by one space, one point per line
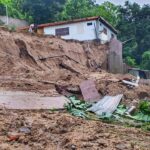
45 63
52 66
27 62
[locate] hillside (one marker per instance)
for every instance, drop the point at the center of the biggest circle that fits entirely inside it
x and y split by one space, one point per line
52 66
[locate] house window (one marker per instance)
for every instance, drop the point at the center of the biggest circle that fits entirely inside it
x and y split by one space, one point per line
89 24
105 31
62 31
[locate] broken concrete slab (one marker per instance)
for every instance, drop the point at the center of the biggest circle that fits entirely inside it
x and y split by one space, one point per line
89 91
20 100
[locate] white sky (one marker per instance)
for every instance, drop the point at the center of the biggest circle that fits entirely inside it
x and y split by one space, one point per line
121 2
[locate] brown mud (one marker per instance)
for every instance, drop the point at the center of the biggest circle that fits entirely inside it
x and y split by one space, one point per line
52 66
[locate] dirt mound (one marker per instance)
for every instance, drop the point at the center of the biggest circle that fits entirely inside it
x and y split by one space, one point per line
25 56
53 66
41 64
48 53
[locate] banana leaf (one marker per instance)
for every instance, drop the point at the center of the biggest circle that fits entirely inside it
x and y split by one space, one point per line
139 116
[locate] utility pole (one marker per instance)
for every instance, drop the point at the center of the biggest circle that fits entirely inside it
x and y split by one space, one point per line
7 15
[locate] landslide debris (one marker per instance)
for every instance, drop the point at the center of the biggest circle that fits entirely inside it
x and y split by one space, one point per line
46 63
61 131
52 66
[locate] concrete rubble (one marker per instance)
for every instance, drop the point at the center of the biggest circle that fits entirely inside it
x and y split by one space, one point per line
89 91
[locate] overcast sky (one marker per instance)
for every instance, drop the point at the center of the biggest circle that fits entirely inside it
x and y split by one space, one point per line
121 2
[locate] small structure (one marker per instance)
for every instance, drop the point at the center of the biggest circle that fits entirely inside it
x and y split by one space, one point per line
144 74
85 29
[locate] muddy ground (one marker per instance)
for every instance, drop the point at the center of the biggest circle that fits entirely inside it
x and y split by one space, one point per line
60 131
52 66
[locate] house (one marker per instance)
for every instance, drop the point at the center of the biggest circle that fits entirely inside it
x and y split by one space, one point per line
84 29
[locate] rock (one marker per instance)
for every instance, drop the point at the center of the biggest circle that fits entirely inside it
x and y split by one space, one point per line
121 147
106 135
25 130
73 147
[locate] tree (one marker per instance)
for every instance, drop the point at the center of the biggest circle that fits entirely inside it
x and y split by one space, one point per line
146 60
108 11
42 11
2 9
130 61
75 9
134 24
12 7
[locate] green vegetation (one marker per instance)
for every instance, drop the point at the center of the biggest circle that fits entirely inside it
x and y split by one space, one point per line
134 24
145 107
42 11
131 20
12 7
140 118
130 61
74 9
146 60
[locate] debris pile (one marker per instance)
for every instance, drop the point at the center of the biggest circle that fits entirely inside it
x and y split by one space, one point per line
47 67
29 62
52 66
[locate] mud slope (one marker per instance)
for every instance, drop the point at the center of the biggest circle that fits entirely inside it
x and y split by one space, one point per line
39 64
24 56
52 66
46 53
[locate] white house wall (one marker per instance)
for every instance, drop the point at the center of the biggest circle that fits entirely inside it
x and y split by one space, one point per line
80 31
109 32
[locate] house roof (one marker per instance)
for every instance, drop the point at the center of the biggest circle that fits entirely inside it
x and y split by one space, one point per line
138 69
76 21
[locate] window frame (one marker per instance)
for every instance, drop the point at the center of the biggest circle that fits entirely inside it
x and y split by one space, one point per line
62 31
89 24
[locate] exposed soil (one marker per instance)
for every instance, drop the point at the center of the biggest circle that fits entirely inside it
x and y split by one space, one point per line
53 66
60 131
39 64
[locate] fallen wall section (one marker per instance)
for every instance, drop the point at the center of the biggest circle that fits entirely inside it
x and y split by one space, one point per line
115 60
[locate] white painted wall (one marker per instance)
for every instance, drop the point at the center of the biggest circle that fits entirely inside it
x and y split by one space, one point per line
103 37
81 31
